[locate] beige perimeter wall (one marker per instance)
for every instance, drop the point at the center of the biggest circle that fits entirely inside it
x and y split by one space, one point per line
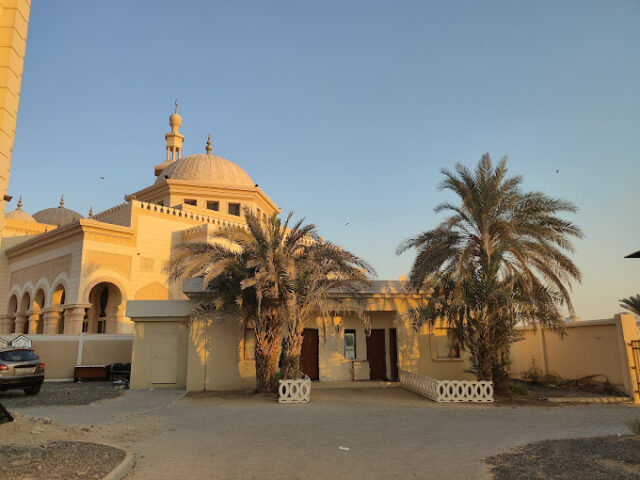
60 353
597 347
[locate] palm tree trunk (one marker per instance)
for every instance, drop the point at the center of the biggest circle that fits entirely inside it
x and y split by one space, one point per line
291 355
480 347
267 354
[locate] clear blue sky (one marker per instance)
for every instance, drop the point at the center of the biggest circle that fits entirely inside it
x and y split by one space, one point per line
346 111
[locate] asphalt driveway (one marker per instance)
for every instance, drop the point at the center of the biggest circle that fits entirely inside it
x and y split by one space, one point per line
343 433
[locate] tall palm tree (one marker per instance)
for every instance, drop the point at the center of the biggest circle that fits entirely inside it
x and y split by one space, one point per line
632 304
245 270
319 278
498 259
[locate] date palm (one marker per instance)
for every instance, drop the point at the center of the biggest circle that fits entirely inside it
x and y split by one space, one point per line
632 304
321 278
245 271
499 258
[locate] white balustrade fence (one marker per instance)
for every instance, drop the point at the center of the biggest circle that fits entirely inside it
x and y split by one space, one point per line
294 391
447 390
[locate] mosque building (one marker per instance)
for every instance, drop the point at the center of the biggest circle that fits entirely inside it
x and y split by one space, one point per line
92 291
69 276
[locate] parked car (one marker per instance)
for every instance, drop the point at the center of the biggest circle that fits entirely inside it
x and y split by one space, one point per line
21 368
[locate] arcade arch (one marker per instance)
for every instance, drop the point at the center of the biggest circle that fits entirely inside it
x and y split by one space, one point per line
107 309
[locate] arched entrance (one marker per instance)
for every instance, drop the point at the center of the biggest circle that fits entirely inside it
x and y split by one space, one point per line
57 300
21 319
12 308
36 323
106 309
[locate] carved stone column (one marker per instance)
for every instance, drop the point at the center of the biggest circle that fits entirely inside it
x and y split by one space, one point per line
52 317
73 318
6 323
92 319
21 322
35 321
111 322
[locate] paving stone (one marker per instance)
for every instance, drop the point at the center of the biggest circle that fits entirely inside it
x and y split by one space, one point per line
390 433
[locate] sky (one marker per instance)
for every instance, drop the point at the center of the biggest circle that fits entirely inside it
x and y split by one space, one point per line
346 112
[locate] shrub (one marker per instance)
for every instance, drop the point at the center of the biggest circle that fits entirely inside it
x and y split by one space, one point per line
518 389
533 374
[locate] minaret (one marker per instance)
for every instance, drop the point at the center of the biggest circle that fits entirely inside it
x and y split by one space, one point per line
174 142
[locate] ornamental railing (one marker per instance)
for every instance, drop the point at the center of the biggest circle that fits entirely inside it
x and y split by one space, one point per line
447 390
294 391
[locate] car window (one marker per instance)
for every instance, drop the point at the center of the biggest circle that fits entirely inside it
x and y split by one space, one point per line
18 355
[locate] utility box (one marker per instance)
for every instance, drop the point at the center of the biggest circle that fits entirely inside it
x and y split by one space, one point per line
360 370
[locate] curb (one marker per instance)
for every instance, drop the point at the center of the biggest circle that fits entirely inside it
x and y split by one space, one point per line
123 468
618 400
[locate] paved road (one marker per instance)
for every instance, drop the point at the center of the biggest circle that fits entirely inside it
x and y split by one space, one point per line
390 433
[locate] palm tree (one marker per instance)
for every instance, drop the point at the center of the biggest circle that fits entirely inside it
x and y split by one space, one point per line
498 259
632 304
245 271
319 277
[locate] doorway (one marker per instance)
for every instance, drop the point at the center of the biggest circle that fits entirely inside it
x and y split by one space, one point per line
309 355
393 354
164 360
376 355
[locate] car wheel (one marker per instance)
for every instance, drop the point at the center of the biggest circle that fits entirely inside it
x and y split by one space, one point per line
32 390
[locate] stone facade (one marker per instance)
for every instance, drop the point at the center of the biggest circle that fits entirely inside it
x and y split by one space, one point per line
75 274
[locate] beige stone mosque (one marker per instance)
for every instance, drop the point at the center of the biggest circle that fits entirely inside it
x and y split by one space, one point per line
92 291
69 274
68 278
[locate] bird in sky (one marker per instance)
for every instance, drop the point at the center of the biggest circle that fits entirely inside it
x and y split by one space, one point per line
557 171
101 178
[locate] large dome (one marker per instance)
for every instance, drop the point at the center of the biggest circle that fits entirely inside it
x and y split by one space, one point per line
206 169
57 216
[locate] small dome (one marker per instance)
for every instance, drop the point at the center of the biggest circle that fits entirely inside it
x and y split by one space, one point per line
19 214
57 216
206 169
175 119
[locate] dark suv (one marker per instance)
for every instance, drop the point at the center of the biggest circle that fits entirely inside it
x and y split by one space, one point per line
20 368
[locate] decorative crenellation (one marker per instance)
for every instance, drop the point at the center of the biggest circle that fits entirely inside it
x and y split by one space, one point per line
110 211
447 390
176 212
